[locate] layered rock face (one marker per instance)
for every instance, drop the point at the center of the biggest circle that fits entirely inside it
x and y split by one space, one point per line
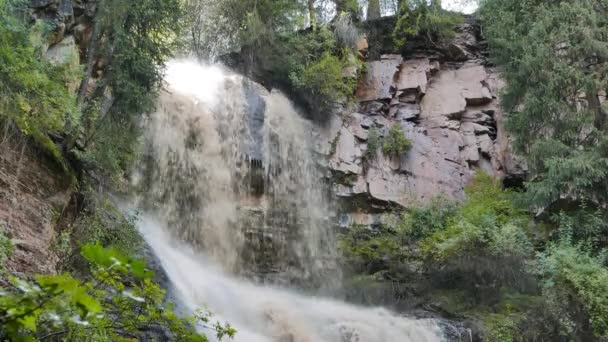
447 105
33 195
72 24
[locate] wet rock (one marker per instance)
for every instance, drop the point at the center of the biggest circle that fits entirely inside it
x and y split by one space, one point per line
326 135
83 33
346 158
378 81
358 188
65 10
63 52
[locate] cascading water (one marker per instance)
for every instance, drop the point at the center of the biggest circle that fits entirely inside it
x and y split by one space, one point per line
232 192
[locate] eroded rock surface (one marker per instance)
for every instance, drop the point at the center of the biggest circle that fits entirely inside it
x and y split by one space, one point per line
450 111
33 195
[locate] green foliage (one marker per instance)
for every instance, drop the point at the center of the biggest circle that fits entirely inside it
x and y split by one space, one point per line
103 223
222 26
395 143
487 225
421 18
119 302
138 37
113 149
423 221
6 249
479 246
319 65
324 79
373 144
34 94
364 246
554 55
576 286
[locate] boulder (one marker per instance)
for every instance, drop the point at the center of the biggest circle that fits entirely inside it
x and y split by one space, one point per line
377 83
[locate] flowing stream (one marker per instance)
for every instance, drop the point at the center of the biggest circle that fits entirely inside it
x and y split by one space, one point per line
236 210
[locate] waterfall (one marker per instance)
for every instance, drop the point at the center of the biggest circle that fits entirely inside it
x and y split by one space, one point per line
237 212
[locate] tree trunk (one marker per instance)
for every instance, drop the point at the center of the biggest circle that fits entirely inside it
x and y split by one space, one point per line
373 10
312 12
91 55
347 6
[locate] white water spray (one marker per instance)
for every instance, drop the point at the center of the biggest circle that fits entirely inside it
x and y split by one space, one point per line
232 191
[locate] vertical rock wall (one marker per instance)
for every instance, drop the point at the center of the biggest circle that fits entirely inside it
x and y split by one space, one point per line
33 195
446 103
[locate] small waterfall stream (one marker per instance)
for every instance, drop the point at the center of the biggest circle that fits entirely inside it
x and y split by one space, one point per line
236 212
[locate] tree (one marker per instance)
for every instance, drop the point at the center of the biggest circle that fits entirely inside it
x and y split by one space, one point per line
312 14
555 60
118 302
34 94
373 9
138 38
347 6
426 19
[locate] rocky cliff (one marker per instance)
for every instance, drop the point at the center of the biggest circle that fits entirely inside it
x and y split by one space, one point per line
33 196
446 102
34 191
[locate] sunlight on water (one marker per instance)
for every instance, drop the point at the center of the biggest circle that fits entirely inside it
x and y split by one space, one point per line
212 227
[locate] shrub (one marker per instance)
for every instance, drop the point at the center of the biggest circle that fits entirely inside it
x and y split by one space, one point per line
576 286
105 224
325 79
6 249
373 144
117 302
419 18
488 224
395 143
422 221
33 93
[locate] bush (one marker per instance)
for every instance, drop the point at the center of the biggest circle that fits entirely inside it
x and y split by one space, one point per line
325 79
6 249
395 143
575 284
33 93
488 224
419 18
373 144
103 223
117 302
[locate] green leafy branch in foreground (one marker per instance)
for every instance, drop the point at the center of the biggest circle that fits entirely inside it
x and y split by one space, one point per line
119 302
